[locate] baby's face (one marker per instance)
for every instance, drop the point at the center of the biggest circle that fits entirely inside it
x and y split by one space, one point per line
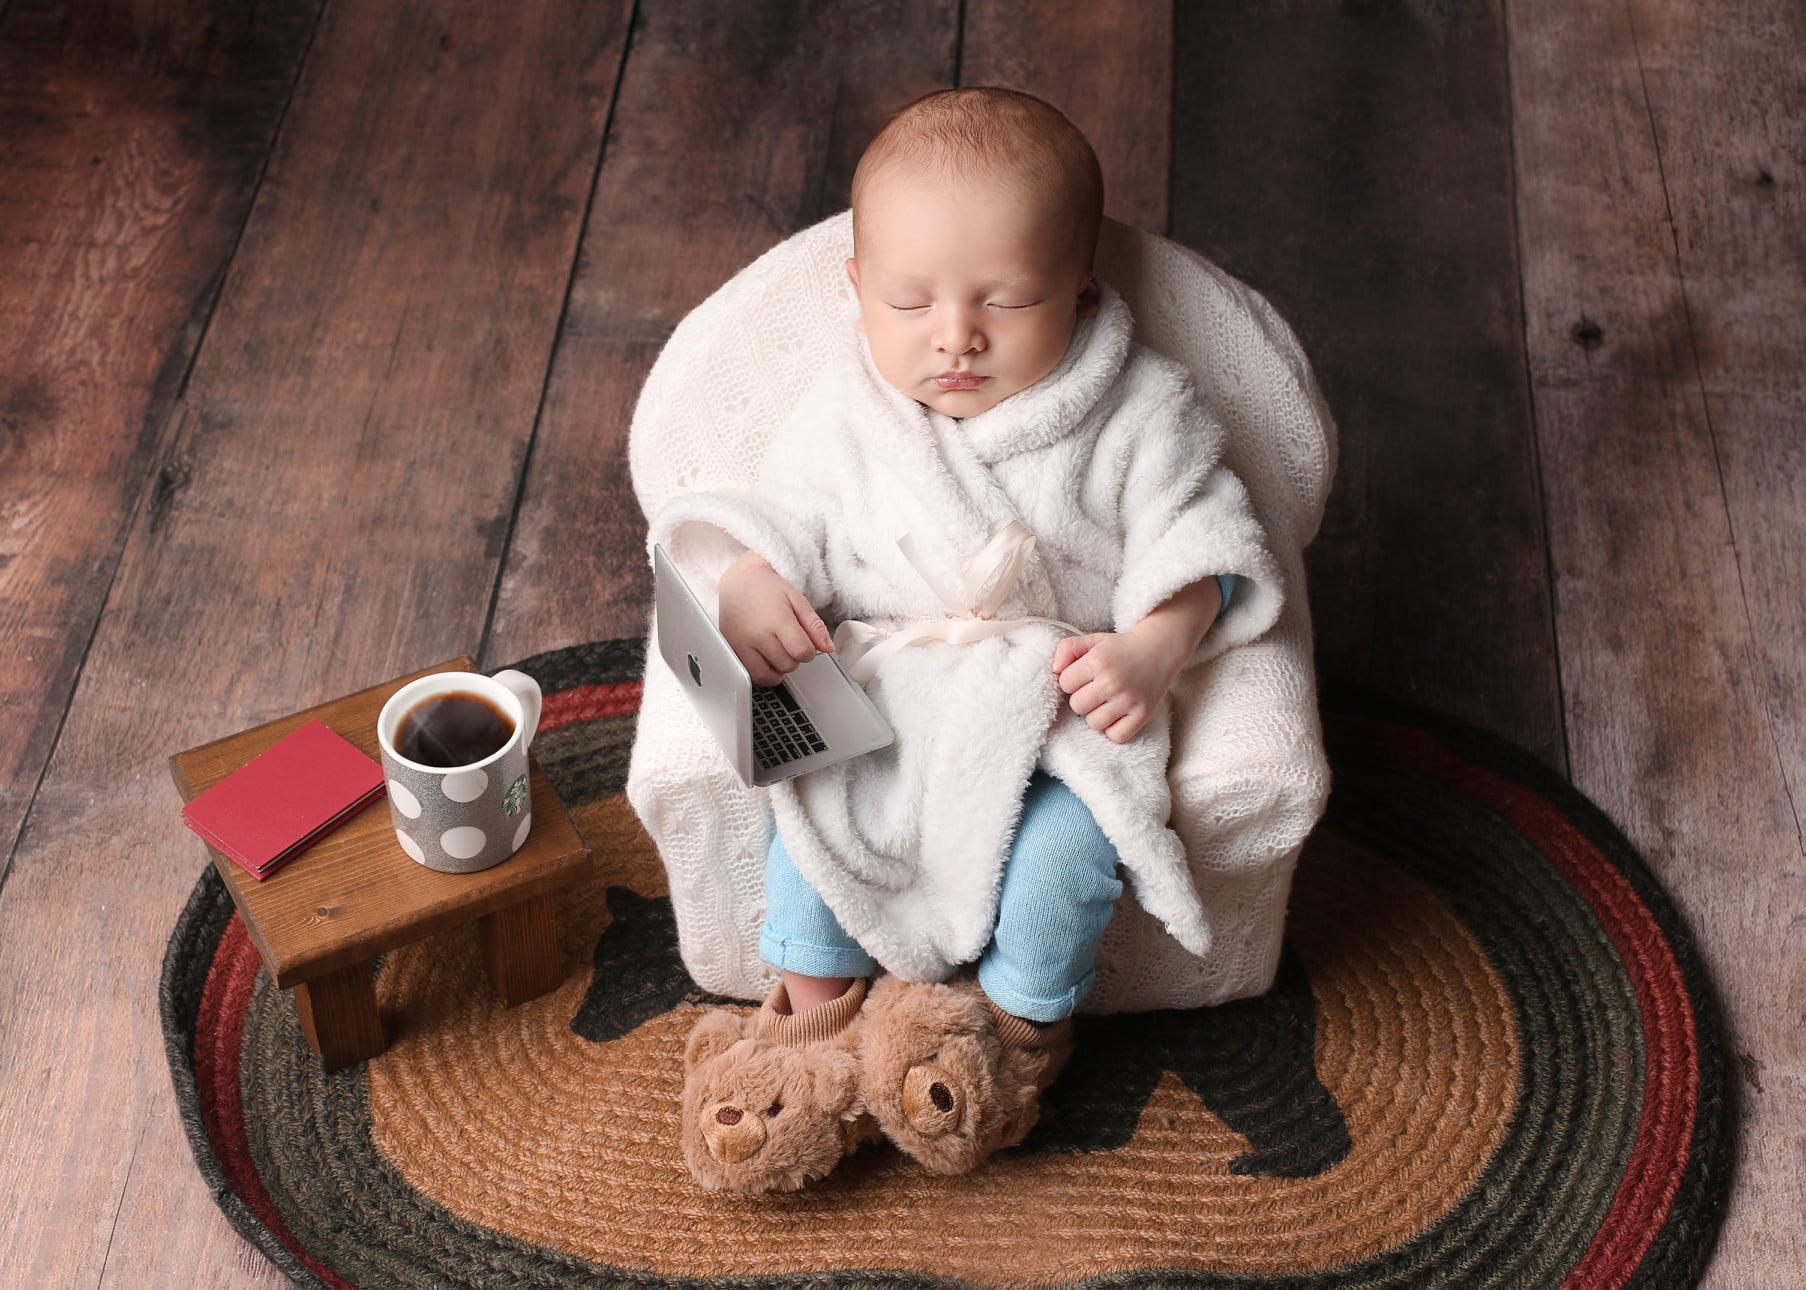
968 291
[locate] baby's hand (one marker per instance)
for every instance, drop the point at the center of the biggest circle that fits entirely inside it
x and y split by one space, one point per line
771 627
1115 680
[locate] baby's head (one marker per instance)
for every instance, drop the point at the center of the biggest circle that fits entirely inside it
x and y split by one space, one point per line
975 218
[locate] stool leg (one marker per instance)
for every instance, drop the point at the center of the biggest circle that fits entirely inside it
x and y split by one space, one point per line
339 1017
520 949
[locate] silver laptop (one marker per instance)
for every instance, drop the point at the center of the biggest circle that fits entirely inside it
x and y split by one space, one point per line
815 718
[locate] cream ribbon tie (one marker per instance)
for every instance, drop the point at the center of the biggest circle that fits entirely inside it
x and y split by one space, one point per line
971 612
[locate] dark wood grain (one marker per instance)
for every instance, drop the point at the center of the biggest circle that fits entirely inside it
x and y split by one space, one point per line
332 512
736 126
1353 163
521 949
338 1015
1665 304
1109 67
179 39
1726 99
123 195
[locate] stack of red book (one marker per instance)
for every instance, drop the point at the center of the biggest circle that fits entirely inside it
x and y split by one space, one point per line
286 799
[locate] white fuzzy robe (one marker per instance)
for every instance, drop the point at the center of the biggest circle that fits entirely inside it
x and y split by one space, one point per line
1114 465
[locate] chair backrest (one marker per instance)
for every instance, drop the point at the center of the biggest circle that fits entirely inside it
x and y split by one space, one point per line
735 366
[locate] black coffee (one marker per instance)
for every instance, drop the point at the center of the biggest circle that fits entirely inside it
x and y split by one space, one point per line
453 729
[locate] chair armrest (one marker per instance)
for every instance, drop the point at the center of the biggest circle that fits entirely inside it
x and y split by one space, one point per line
711 831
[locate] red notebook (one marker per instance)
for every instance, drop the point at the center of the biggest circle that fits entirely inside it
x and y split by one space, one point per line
266 813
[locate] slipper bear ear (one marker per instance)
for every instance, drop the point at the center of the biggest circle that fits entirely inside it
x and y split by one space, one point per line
713 1035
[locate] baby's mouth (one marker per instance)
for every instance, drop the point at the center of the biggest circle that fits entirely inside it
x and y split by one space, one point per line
959 380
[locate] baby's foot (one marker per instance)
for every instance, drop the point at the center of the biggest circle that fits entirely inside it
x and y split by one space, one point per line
771 1100
950 1077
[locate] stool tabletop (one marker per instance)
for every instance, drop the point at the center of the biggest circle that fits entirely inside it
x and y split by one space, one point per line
356 893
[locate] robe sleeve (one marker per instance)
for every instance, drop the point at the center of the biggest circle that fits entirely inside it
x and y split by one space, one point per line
784 517
1186 517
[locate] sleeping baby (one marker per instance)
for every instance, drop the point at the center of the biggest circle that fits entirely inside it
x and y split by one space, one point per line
1017 520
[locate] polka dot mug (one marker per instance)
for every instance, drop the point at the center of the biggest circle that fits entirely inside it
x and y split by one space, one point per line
454 748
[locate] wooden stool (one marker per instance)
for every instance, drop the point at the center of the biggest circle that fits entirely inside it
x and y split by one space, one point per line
320 919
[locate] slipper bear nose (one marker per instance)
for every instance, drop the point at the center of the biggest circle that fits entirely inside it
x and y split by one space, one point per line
931 1101
732 1134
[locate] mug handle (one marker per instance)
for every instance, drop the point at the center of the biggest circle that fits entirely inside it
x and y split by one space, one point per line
526 689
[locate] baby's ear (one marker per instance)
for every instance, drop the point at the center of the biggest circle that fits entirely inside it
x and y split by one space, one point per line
717 1032
853 277
1089 295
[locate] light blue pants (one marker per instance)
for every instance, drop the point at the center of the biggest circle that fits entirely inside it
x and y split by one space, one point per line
1059 890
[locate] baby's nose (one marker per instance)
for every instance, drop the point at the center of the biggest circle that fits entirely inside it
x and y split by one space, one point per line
959 334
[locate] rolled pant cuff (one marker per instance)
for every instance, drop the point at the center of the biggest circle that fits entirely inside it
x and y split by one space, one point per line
1030 1007
805 958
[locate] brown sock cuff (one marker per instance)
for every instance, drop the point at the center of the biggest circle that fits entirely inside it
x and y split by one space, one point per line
811 1025
1019 1032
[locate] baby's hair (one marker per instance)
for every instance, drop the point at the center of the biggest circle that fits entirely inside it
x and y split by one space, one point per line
1014 135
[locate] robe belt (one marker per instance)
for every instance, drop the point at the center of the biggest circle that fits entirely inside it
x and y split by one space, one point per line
971 614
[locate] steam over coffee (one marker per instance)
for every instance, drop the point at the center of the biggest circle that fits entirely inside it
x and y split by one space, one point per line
453 729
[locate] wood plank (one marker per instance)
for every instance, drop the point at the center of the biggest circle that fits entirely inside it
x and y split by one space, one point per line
1727 110
332 513
124 194
1109 67
1663 295
736 126
1353 163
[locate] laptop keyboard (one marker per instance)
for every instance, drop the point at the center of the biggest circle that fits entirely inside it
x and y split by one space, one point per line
782 732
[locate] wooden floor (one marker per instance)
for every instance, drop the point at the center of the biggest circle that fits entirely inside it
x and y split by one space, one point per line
320 328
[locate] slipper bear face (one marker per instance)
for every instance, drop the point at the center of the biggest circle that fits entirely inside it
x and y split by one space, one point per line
932 1083
761 1117
940 1079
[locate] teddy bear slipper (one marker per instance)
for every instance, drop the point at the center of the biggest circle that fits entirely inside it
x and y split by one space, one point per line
950 1076
771 1100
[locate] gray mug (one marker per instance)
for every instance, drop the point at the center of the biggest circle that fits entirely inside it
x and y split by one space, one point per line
454 748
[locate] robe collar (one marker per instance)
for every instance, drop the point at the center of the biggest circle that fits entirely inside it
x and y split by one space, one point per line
946 462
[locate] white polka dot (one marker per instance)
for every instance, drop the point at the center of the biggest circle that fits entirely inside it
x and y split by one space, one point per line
463 843
465 785
520 834
410 846
405 802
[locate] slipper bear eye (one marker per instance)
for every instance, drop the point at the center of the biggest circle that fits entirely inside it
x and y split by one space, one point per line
773 1109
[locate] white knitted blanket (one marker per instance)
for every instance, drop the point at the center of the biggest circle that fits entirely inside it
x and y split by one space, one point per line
1246 776
1114 466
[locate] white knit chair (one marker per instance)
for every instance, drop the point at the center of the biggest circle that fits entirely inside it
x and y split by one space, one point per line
1248 773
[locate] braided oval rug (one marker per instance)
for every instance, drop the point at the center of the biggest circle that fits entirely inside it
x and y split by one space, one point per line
1490 1058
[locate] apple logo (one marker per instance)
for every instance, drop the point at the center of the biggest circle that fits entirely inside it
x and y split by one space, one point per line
695 669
